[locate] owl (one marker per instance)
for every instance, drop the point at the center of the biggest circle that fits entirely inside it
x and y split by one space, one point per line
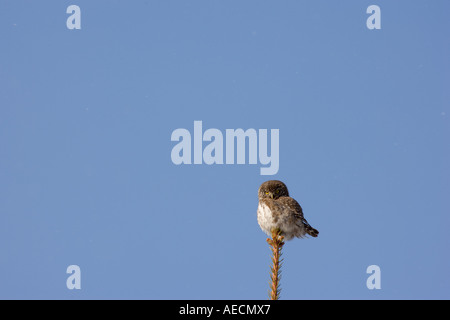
277 210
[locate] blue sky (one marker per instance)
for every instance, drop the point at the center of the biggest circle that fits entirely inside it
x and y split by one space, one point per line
86 176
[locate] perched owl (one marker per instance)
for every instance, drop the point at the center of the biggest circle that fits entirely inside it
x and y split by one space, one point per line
277 210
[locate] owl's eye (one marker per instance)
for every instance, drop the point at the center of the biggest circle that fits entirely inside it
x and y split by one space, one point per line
278 191
267 192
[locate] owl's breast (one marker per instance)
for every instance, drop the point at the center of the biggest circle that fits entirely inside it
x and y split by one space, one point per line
265 218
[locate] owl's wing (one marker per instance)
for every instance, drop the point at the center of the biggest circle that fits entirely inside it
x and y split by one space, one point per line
292 205
297 211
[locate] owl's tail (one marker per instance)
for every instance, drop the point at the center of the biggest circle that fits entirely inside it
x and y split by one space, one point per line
310 230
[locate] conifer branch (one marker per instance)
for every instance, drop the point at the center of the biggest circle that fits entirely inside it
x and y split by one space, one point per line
276 244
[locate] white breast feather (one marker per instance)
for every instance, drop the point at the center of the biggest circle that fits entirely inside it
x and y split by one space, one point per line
265 219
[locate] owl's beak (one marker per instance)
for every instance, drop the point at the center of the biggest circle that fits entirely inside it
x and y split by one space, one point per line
271 195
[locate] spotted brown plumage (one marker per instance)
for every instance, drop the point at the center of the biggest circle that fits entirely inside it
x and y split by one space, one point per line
277 210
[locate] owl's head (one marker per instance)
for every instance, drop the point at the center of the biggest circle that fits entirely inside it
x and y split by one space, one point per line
273 189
